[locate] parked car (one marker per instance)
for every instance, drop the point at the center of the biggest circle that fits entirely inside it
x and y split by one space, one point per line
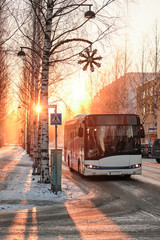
146 150
156 150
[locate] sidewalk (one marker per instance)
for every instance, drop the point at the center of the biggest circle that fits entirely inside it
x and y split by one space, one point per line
23 190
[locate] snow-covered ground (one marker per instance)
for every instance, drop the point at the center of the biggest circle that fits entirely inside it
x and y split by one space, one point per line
23 188
24 191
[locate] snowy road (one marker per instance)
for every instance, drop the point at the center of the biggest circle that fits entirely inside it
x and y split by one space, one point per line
87 208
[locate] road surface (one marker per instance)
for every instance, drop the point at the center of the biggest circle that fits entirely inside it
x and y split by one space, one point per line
108 208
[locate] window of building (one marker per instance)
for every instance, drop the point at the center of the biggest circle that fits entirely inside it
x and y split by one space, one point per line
147 108
144 94
151 108
150 125
155 90
144 110
151 91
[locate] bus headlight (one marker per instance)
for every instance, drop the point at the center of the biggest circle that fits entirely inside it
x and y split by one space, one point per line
136 166
91 166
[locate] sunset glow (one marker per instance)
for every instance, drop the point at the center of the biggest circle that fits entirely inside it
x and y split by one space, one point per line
38 108
79 95
19 225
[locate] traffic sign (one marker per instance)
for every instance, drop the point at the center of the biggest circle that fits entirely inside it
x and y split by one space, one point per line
55 119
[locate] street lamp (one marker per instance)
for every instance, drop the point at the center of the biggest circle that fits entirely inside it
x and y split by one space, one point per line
21 53
34 90
89 14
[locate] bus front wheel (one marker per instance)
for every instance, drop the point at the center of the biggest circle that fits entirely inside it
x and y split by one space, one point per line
127 176
158 160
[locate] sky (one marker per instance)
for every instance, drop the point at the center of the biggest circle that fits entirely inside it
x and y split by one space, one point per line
142 16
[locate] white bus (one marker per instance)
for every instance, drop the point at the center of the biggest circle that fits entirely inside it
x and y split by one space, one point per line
104 144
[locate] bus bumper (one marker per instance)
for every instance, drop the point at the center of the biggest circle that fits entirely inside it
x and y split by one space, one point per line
90 171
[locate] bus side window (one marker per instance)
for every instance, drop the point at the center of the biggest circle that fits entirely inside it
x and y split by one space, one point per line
80 132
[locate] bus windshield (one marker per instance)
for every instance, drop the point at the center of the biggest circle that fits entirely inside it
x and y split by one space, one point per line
104 141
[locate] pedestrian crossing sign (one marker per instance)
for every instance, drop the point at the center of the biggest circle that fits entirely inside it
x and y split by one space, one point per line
56 119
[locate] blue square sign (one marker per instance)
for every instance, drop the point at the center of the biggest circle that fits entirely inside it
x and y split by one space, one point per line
56 119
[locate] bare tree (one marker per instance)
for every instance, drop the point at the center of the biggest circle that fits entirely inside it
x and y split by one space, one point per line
117 93
4 76
4 92
141 98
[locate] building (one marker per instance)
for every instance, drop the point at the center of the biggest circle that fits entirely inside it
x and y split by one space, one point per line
120 96
148 106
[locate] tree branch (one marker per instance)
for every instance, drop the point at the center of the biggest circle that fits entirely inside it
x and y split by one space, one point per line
67 41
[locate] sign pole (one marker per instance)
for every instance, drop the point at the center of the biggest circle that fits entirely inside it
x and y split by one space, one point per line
56 150
56 119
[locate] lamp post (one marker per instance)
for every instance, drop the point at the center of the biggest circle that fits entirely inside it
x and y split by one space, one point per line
89 14
21 53
34 98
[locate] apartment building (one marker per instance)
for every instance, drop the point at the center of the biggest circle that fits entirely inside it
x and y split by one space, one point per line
120 96
148 106
132 93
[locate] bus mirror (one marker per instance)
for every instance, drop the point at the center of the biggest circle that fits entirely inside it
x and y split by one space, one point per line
80 132
142 133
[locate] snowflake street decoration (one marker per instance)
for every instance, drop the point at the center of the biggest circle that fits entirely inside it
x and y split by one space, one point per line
89 59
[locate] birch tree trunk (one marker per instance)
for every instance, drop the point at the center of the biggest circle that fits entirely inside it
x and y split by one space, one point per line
44 95
36 46
39 147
